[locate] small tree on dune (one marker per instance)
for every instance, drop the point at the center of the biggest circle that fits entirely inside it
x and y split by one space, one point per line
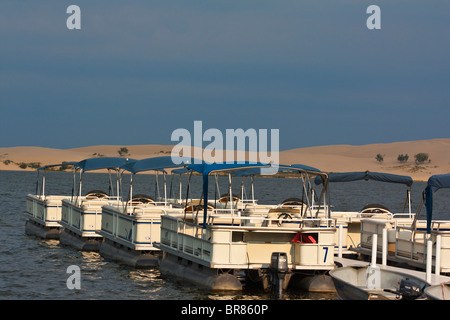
379 158
421 157
123 151
403 157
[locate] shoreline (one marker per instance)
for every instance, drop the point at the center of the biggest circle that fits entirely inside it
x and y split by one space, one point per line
333 158
275 176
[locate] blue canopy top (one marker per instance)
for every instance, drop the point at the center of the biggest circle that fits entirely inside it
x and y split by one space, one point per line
248 171
157 163
103 163
180 171
207 168
367 175
300 166
435 183
439 181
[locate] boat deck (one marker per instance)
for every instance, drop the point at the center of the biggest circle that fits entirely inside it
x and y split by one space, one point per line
435 279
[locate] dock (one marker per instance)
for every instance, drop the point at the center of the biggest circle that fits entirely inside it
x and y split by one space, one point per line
434 279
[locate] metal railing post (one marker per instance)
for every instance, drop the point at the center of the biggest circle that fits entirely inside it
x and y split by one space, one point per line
438 255
374 249
429 259
384 251
340 241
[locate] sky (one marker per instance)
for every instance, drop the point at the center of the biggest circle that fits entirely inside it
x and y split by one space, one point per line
138 70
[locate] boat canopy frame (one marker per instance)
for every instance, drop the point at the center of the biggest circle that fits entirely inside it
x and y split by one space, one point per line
368 175
375 176
158 165
99 163
434 183
40 191
252 169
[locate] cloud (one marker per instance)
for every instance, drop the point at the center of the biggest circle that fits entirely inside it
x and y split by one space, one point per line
151 66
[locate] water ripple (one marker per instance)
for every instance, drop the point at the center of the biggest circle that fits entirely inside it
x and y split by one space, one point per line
33 268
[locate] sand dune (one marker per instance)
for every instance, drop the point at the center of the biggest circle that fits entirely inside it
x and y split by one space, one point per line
334 158
341 158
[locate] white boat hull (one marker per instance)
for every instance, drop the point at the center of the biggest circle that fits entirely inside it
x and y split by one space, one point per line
34 228
43 216
199 254
123 254
438 292
371 283
198 274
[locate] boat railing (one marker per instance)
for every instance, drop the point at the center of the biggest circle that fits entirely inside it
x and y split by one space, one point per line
46 209
218 217
138 227
415 245
236 205
249 201
410 243
191 239
225 245
150 209
48 197
256 210
356 215
137 236
440 227
403 215
84 217
419 232
95 201
91 203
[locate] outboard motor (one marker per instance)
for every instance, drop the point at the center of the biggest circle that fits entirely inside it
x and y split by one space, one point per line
278 270
408 290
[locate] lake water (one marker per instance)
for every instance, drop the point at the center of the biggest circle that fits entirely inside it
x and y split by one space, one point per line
36 269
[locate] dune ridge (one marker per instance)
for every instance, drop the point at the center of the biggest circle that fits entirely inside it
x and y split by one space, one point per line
332 158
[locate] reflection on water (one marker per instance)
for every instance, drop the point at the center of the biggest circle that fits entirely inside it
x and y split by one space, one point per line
33 268
287 295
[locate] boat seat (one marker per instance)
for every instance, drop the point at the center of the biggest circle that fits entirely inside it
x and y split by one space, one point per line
373 209
140 199
197 205
96 194
293 203
226 198
221 221
94 202
277 215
